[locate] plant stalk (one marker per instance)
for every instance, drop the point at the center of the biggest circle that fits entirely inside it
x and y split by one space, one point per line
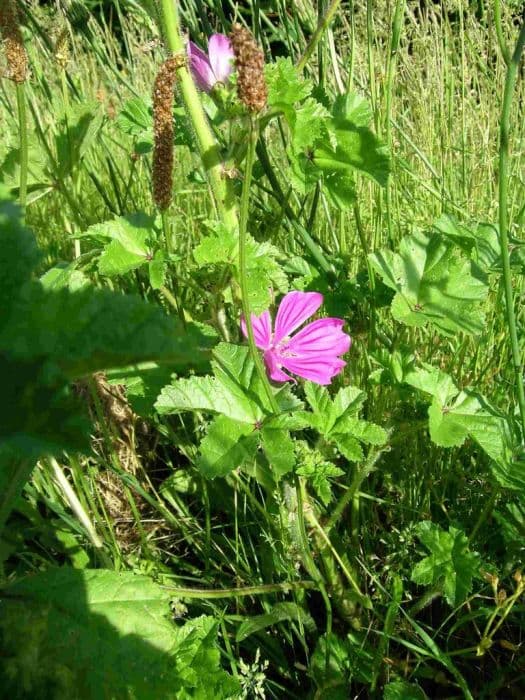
209 149
510 82
324 23
263 589
22 134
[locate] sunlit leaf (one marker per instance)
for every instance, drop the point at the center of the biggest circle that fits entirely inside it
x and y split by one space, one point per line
450 562
434 284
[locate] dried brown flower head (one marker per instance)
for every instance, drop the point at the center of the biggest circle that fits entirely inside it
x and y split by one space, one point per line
14 49
249 62
163 132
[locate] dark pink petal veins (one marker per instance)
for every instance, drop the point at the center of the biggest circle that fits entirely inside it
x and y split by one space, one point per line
200 67
262 329
272 362
323 338
315 369
294 309
221 56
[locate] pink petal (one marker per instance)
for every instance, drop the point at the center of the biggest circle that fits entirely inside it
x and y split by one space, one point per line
315 369
221 56
294 309
262 330
200 67
323 337
271 361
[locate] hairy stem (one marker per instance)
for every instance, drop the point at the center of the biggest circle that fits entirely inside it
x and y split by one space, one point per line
209 149
263 589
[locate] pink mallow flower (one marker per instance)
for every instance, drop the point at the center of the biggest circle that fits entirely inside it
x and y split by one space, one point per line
312 353
214 67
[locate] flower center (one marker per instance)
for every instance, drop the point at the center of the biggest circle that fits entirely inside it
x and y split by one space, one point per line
282 350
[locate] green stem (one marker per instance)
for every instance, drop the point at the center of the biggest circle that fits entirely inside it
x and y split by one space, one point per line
308 559
263 589
22 133
166 231
243 271
499 33
279 195
371 276
324 23
510 82
352 491
392 61
209 149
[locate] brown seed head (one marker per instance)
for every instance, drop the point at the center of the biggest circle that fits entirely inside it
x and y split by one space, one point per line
14 49
163 132
249 62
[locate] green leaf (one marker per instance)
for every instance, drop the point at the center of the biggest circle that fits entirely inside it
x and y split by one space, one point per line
321 404
280 612
235 390
433 381
457 415
228 444
450 562
279 450
366 432
264 273
132 239
317 470
349 447
116 260
65 277
285 85
91 329
157 270
340 189
102 634
338 420
356 147
434 284
227 392
353 108
480 241
401 690
135 117
236 393
307 123
220 246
